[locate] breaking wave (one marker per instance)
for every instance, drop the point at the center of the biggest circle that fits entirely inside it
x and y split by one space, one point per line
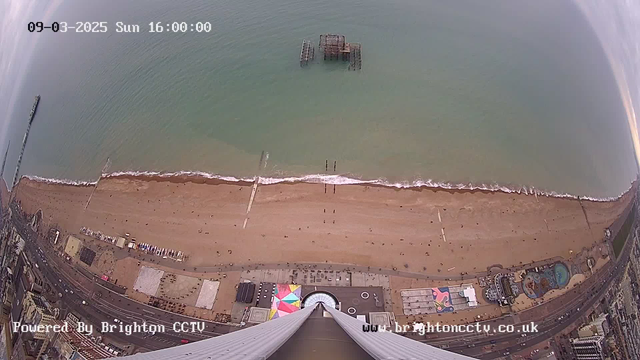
58 181
330 180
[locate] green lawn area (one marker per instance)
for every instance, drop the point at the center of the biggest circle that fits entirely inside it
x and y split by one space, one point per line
621 237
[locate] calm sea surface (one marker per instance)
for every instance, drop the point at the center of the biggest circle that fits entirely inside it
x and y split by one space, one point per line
508 92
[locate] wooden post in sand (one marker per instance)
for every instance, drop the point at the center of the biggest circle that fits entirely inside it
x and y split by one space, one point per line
104 171
326 163
335 163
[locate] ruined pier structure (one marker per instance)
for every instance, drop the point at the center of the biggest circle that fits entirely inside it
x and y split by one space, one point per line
307 53
336 47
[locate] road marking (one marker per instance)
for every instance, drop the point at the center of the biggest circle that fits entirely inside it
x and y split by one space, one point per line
111 311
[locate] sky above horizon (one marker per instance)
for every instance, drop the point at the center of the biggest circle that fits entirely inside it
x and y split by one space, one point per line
16 47
616 22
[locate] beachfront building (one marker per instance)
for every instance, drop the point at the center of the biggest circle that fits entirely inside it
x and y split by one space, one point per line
589 348
71 344
321 330
598 326
36 312
503 289
469 293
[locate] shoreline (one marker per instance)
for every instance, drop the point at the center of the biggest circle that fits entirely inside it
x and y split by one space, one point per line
376 226
199 177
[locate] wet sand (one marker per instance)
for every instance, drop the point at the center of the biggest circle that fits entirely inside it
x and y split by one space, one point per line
364 225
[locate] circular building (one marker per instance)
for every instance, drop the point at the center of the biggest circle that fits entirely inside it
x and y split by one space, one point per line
320 297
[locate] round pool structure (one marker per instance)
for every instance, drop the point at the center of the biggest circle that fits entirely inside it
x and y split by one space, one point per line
562 274
320 296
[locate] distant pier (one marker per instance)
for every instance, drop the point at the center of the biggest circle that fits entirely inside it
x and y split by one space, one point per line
307 53
336 47
333 47
24 141
355 57
4 162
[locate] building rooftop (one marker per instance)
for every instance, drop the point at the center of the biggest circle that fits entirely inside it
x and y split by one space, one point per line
84 345
40 303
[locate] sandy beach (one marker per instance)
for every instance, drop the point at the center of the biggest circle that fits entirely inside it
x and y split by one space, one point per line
363 225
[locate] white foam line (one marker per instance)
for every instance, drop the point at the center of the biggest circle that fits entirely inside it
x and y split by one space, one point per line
59 181
334 180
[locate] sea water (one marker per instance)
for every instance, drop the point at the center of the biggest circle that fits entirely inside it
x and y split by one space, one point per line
500 95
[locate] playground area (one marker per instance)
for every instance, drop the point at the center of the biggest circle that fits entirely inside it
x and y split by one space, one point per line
539 281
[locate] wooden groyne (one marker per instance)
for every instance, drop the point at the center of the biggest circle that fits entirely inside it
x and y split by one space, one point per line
307 53
264 157
24 141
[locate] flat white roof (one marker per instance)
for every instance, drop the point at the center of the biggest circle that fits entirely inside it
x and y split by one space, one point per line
148 280
470 294
207 295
